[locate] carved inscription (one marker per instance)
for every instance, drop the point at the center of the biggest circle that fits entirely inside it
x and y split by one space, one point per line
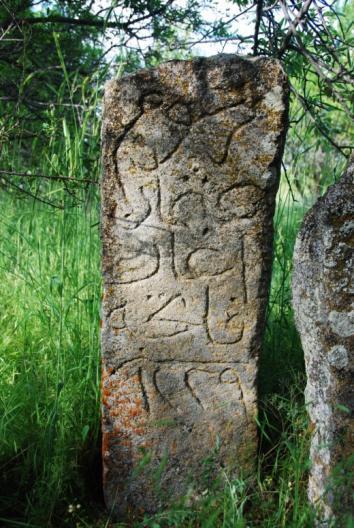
191 160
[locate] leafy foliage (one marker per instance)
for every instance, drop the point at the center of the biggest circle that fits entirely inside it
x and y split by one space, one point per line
50 50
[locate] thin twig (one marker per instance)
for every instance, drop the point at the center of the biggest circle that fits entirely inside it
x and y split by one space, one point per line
44 176
257 26
36 197
308 108
288 182
292 24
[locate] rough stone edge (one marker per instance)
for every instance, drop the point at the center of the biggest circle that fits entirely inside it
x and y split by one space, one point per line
317 215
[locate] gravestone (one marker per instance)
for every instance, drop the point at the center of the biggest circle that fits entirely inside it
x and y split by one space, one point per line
323 288
191 164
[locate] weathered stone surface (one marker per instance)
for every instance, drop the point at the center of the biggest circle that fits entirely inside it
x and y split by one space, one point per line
191 164
323 287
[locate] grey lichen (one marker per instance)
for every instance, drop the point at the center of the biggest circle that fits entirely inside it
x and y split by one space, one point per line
323 304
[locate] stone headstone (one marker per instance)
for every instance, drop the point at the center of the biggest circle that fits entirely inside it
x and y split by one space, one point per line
191 164
323 288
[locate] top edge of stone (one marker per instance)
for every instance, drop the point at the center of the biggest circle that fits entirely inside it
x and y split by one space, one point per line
348 176
213 59
332 204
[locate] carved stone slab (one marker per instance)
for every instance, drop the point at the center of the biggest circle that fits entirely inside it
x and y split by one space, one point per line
191 164
323 299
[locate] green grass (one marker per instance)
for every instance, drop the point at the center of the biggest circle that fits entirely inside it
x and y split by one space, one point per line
49 395
49 324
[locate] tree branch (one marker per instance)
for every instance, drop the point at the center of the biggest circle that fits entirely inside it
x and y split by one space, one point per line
57 19
292 24
257 26
44 176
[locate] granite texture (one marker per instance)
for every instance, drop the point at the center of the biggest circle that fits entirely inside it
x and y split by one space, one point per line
323 288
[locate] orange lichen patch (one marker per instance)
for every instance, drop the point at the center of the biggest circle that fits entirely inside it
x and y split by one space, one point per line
139 430
124 425
122 397
133 413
